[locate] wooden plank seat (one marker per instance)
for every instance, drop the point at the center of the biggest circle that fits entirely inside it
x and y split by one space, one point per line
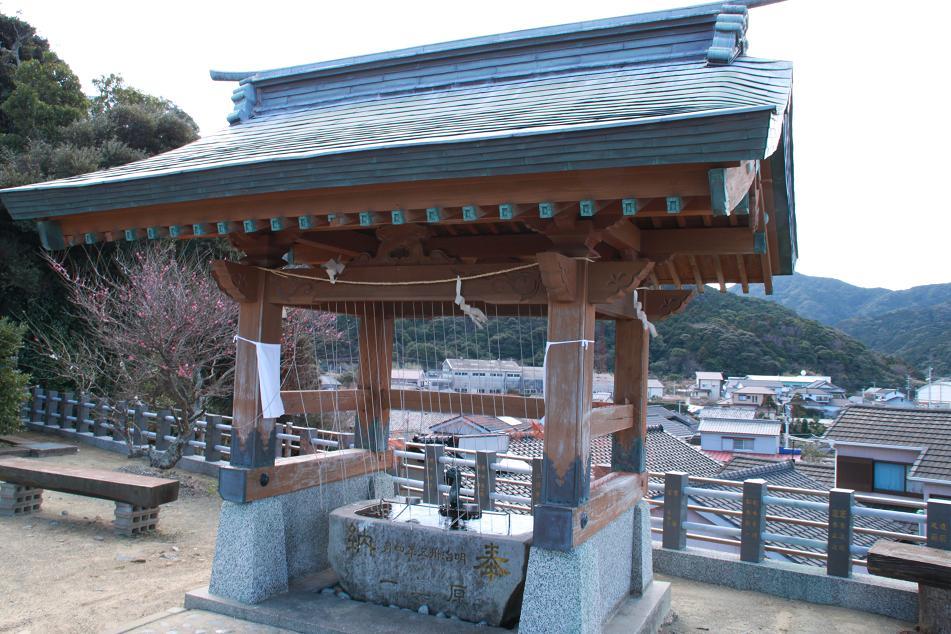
930 568
137 497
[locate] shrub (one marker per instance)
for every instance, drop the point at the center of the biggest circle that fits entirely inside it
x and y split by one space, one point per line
12 382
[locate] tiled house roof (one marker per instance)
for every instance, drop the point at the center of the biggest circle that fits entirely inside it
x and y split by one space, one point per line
926 429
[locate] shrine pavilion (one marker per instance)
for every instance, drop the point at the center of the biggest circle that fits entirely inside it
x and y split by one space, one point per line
604 170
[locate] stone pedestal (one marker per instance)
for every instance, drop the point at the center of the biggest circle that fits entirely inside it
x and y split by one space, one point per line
261 545
410 559
579 591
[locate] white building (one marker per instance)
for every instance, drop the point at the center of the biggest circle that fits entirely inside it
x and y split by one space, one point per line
708 385
655 389
740 435
935 395
479 376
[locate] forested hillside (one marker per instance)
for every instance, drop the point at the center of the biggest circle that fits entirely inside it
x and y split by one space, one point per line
719 332
912 323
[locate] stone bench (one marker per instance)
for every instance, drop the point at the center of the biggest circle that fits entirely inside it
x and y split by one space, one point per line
930 568
137 497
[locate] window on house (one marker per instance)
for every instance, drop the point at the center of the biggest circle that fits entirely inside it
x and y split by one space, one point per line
743 444
890 476
743 397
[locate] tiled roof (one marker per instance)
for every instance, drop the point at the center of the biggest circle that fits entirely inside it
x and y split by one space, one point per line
904 427
754 390
729 413
786 473
489 423
753 428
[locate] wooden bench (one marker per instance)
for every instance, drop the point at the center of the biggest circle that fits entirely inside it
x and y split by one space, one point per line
137 497
930 568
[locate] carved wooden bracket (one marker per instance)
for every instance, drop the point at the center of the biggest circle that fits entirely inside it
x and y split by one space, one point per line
559 275
237 281
609 281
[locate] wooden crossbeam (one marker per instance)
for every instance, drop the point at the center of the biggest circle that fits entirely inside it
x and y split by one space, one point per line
321 401
287 475
611 496
656 243
609 419
464 403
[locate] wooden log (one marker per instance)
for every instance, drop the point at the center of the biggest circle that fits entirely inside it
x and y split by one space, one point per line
287 475
610 419
98 483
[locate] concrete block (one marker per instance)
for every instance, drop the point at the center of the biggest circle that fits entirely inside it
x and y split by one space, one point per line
134 520
250 561
16 499
578 591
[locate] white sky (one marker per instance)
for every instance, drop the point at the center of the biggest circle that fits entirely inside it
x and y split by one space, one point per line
871 137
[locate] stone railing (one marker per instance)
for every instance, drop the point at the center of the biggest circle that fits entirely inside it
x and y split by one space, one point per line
102 421
496 481
836 527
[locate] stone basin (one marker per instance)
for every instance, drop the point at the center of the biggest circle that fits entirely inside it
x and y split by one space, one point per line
397 554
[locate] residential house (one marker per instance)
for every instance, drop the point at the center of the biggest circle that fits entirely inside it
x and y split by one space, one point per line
533 380
655 389
936 394
674 423
480 376
481 424
735 383
708 385
821 397
900 451
406 378
752 396
759 436
885 397
328 382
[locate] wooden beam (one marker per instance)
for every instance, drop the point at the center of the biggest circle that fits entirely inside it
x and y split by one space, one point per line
321 401
252 436
464 403
656 243
728 185
672 271
511 245
287 475
718 267
611 496
741 269
604 184
568 375
697 276
349 243
631 355
375 343
911 562
609 419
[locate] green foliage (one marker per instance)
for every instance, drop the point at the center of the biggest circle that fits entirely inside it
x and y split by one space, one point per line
50 130
739 336
13 383
46 98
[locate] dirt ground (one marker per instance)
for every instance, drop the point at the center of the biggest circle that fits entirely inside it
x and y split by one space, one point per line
64 570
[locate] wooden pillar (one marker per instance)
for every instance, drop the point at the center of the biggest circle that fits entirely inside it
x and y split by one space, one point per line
375 336
631 358
568 375
253 437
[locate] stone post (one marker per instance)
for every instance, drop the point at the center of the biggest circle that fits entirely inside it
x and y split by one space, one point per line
163 428
433 473
212 438
839 562
66 410
536 481
939 524
36 413
754 521
83 414
485 479
52 403
675 510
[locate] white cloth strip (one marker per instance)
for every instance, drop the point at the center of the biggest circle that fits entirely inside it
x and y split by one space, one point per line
548 344
269 376
476 315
